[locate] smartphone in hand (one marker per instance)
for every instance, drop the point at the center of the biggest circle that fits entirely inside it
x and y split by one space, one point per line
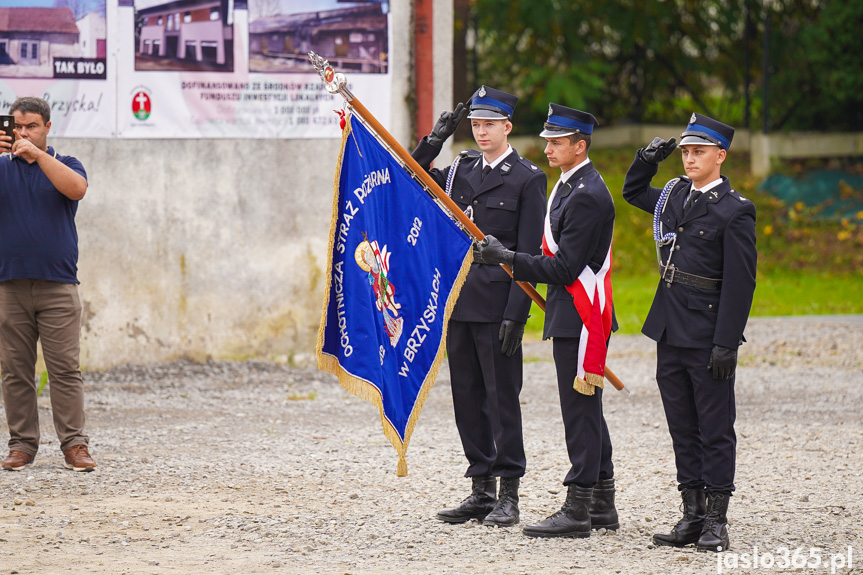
7 124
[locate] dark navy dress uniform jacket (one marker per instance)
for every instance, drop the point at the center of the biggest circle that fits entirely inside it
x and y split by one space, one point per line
715 240
582 224
508 204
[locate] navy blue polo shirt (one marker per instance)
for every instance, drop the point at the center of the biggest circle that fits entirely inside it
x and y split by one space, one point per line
38 238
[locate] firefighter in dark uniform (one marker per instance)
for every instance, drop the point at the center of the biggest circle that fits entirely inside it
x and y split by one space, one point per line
705 235
504 194
577 240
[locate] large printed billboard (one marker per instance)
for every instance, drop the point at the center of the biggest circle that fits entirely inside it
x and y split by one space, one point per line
192 68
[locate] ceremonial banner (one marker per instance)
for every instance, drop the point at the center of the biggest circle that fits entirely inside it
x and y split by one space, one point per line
396 264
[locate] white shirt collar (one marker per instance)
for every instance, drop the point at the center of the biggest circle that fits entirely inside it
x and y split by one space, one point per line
568 174
497 160
709 186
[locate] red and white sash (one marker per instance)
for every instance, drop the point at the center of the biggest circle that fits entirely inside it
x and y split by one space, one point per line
591 294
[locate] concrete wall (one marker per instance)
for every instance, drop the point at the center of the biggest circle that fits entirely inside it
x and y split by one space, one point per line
442 96
802 145
196 248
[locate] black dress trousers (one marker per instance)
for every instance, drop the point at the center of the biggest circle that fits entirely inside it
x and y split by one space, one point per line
587 440
485 388
700 412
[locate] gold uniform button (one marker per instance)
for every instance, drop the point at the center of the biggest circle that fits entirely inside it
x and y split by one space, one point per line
701 233
710 306
501 204
475 202
680 229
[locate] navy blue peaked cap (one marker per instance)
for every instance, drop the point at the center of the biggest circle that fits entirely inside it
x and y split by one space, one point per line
490 104
563 121
707 132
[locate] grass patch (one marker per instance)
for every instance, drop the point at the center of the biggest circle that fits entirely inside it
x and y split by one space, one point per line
43 381
800 293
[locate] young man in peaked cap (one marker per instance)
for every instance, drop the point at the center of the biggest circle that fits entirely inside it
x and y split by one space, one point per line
705 232
503 194
576 258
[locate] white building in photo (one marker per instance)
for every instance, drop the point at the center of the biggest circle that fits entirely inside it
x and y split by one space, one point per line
30 38
92 38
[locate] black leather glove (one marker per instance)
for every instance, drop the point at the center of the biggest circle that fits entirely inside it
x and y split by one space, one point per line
446 125
658 150
723 362
493 252
511 332
477 255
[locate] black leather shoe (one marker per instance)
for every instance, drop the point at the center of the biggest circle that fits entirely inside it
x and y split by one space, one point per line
603 514
689 528
505 512
714 536
573 519
477 505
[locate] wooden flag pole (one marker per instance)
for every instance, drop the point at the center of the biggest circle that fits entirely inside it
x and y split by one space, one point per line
336 83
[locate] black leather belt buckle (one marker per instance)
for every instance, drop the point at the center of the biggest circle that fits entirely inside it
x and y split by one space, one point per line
666 276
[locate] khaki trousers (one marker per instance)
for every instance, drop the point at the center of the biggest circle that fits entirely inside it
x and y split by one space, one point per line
31 310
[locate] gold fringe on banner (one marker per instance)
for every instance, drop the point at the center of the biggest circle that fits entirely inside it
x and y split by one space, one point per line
360 387
588 385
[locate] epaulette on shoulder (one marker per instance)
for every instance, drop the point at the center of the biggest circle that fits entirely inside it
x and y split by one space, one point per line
528 164
737 195
469 154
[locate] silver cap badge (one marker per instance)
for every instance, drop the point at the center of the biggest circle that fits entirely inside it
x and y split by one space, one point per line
482 93
692 120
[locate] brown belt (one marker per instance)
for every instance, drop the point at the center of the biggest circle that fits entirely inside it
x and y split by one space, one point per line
672 275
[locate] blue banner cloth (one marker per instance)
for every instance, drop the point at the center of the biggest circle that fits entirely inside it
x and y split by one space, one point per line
396 264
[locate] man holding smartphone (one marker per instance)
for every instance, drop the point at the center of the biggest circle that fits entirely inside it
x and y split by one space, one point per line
39 194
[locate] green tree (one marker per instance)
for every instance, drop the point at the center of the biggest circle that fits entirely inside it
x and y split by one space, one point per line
817 73
633 61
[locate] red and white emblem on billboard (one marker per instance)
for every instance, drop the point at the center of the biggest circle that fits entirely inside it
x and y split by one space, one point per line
141 104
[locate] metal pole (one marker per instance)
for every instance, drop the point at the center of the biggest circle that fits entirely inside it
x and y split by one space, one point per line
747 64
765 70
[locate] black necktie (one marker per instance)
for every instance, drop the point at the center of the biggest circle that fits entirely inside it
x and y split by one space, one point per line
694 195
485 171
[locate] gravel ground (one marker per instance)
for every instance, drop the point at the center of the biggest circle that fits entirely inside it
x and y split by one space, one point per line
254 467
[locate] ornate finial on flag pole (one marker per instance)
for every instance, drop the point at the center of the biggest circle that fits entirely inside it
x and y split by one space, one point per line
336 83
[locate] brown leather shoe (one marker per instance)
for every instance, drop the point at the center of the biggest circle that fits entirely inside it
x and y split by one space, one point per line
78 459
16 460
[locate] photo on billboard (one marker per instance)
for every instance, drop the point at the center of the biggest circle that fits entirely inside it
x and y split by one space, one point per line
184 35
352 35
53 39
